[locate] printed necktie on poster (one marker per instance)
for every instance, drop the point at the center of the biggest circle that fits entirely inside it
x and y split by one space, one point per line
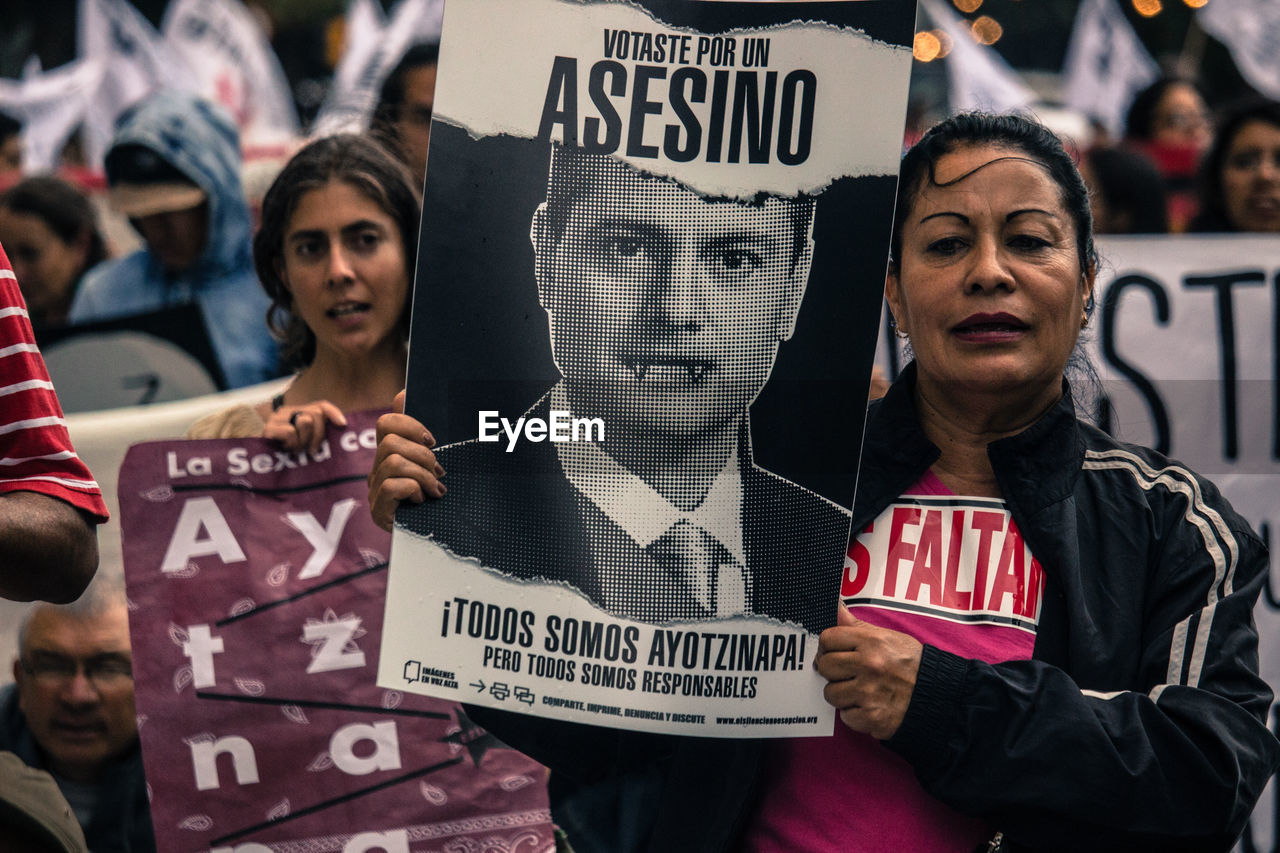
705 566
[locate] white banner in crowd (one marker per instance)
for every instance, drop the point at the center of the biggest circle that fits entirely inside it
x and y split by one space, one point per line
362 28
1251 29
138 62
1186 348
50 104
211 47
374 45
979 78
235 65
1106 64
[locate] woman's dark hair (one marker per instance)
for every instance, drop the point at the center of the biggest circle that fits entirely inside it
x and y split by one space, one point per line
63 208
1129 184
1140 121
1014 132
9 126
391 96
1213 203
354 160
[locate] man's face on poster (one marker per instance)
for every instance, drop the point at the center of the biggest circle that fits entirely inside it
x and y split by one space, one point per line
666 309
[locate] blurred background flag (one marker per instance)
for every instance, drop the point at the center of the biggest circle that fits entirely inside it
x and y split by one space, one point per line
235 66
115 34
50 105
1106 65
374 45
978 77
1251 29
362 32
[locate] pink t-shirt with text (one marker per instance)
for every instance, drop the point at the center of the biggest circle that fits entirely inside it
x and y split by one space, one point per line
955 573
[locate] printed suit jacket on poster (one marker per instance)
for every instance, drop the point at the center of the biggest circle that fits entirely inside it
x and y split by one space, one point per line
518 513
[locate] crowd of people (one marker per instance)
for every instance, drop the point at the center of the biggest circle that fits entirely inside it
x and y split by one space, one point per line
174 173
953 740
1184 167
319 286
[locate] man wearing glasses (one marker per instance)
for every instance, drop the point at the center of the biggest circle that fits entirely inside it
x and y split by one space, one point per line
71 712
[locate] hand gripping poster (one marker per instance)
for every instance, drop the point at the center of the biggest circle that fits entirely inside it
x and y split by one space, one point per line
653 251
255 580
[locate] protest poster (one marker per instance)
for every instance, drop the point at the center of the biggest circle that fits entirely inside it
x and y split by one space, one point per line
653 247
255 579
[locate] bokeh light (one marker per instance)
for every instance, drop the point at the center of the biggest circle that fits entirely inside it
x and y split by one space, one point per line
944 39
1148 8
986 30
926 47
967 6
1195 4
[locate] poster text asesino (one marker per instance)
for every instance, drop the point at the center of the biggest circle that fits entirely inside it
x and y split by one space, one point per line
768 113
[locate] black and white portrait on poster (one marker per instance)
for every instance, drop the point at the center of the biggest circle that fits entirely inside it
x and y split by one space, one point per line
653 248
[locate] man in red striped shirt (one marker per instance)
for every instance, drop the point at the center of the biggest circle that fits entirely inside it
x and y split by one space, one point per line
49 502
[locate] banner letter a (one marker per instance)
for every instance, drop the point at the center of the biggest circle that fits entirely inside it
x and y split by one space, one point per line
187 542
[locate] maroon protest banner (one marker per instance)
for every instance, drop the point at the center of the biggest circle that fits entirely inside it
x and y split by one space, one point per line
256 581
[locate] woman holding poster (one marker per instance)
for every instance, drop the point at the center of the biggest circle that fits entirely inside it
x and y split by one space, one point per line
1045 640
335 253
307 576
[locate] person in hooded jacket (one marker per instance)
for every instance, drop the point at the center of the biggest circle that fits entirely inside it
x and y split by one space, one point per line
174 169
